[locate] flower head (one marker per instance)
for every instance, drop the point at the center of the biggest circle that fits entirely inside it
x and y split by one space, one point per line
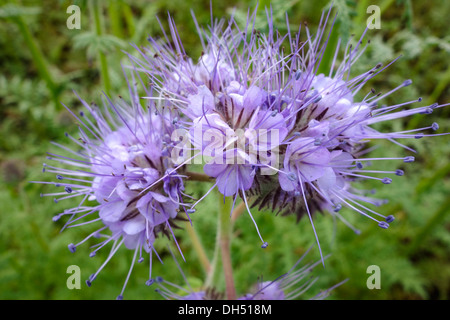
124 176
271 127
255 112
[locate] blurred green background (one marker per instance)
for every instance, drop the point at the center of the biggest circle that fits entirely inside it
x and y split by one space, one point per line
42 61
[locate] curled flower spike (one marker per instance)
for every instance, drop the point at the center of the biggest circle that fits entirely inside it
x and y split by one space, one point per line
265 125
123 149
269 127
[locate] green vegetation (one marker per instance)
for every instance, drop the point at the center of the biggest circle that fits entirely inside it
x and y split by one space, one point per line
42 62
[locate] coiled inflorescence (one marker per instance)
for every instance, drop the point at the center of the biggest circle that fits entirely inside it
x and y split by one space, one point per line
254 110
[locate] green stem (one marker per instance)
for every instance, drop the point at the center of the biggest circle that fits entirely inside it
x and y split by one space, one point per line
212 274
95 8
198 247
104 72
116 18
440 87
222 254
385 5
328 55
129 19
225 231
361 17
238 210
38 58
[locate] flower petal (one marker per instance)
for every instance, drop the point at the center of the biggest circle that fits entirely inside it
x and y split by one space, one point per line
112 211
135 225
200 103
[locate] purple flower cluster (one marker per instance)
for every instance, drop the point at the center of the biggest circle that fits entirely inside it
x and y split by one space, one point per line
267 127
272 129
123 149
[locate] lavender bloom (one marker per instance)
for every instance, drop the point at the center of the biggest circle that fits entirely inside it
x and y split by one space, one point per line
247 85
265 125
323 159
234 122
124 176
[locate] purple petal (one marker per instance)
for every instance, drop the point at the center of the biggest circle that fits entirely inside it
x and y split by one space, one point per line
285 183
327 180
214 169
135 225
200 103
112 211
228 181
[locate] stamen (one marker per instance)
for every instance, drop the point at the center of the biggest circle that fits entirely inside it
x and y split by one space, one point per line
317 99
407 82
72 248
435 126
265 244
409 159
427 110
390 218
383 225
68 189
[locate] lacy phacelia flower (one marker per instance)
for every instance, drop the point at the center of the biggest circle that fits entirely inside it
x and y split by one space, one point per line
247 86
124 175
254 110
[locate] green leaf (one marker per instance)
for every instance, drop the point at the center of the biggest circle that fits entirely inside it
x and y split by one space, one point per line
12 11
279 9
94 43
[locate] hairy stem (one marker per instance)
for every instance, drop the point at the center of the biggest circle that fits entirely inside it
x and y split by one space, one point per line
238 210
225 231
114 10
95 8
198 247
212 274
38 59
222 254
